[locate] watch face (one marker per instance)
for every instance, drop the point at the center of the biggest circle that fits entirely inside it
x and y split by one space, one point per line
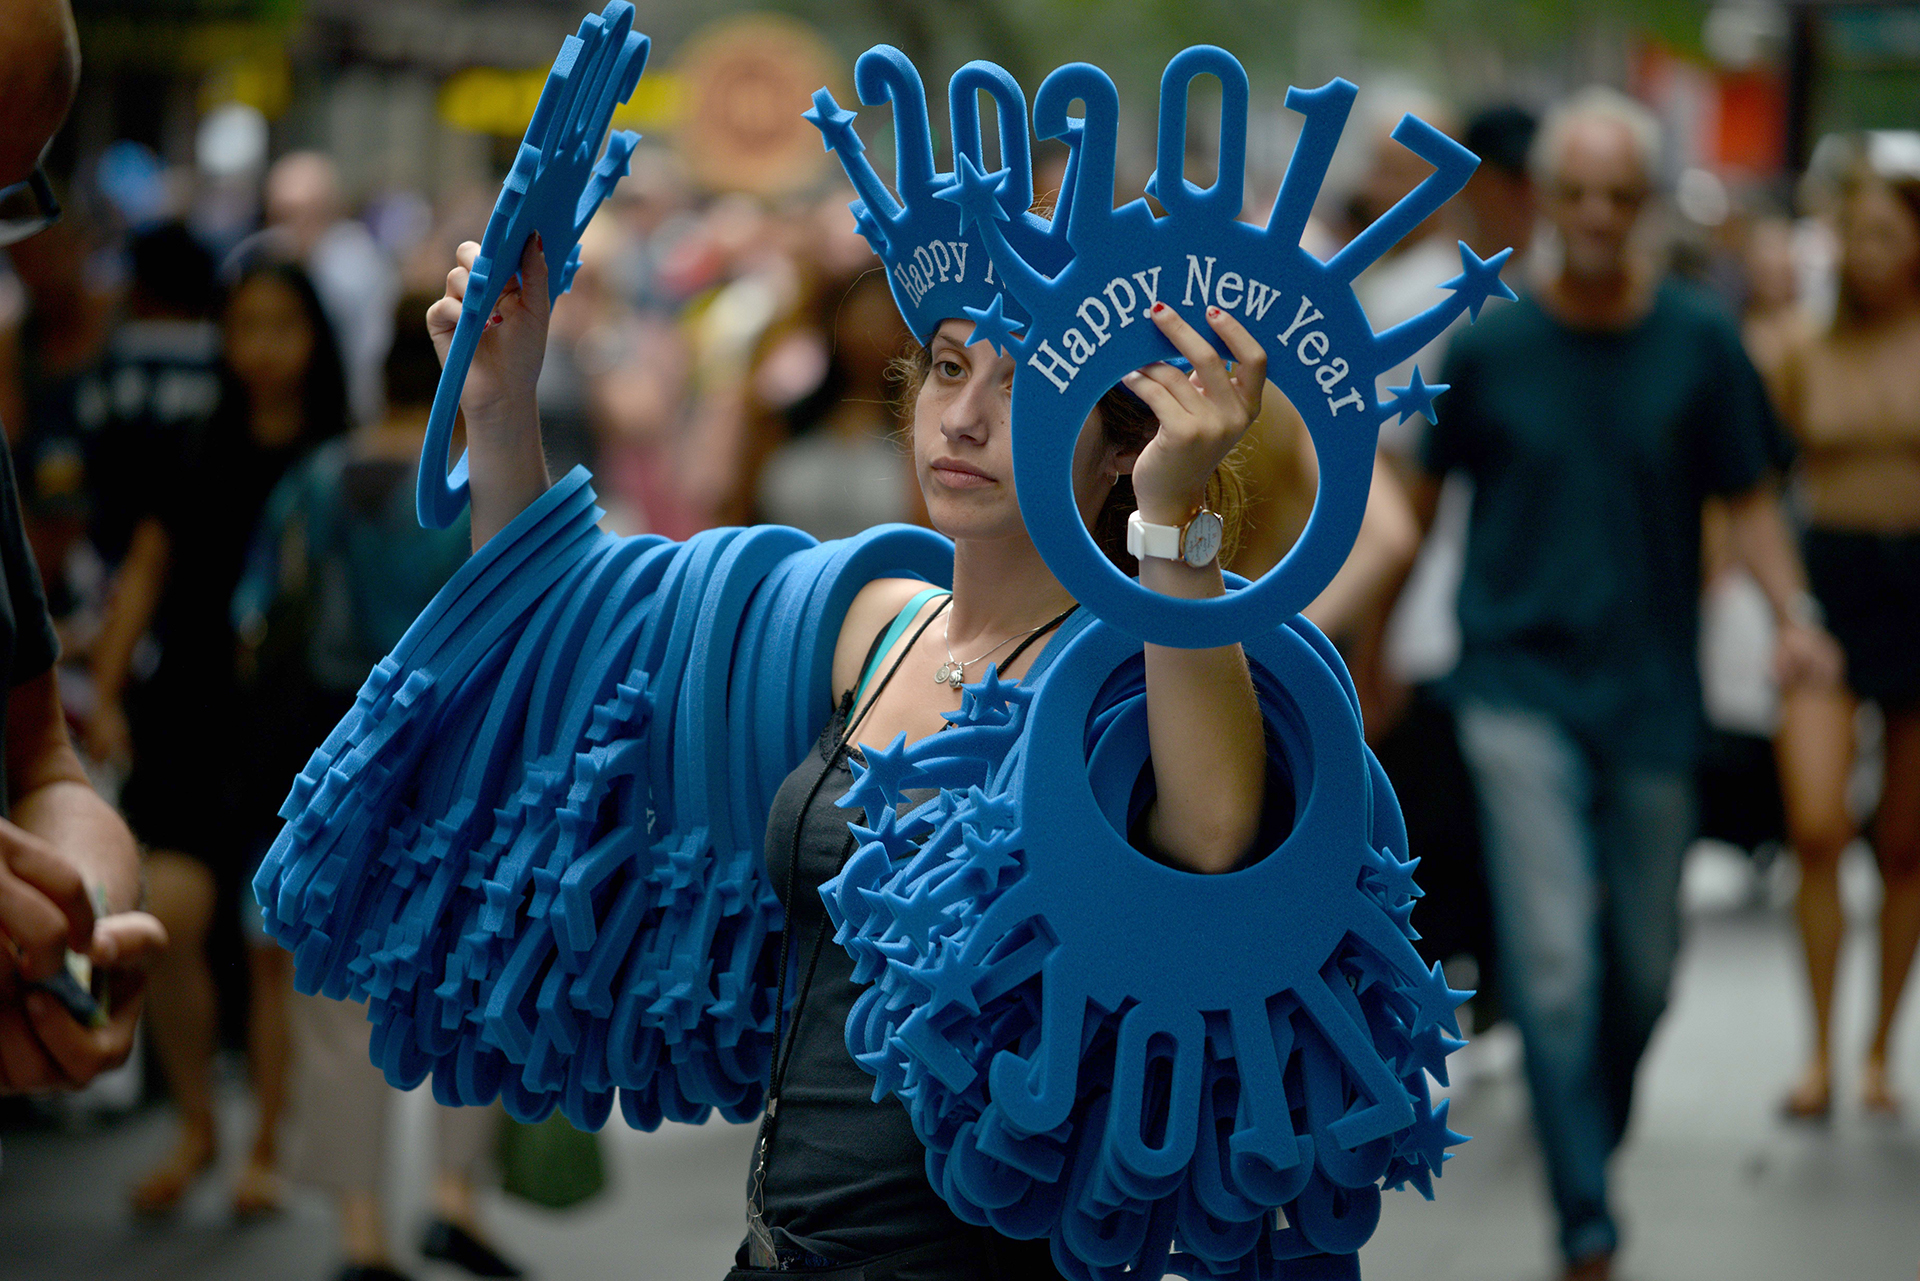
1203 539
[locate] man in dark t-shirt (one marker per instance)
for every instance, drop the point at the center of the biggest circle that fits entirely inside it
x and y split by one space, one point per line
1594 416
63 850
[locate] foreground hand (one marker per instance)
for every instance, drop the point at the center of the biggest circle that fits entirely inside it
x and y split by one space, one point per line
44 909
1202 415
43 1048
1806 656
499 390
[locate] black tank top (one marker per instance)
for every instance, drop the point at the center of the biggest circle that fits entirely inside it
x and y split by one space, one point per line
846 1178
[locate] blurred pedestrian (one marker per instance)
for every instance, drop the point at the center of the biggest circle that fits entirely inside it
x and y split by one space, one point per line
1593 417
339 569
1850 397
159 381
69 873
841 467
283 394
357 284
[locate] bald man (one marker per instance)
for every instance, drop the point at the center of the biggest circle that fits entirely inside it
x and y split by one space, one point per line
357 284
62 849
1593 417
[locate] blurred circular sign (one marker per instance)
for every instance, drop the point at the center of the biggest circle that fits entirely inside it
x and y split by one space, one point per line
745 82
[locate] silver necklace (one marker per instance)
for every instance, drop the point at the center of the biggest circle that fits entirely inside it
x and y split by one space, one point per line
953 672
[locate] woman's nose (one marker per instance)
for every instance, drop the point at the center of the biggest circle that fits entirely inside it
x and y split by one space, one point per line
969 415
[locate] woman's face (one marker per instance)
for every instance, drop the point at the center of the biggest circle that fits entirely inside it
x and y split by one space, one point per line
963 445
269 339
1879 247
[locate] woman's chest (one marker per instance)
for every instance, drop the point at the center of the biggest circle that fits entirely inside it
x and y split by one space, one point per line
1863 392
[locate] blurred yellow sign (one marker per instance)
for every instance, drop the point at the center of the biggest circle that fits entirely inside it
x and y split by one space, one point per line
500 101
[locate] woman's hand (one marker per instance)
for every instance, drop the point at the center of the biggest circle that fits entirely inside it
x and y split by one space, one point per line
499 391
505 463
1202 415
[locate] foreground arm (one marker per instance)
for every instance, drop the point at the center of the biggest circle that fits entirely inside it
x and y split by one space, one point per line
1203 721
506 466
64 838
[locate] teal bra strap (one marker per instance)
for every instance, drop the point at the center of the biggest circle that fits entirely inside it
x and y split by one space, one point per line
901 622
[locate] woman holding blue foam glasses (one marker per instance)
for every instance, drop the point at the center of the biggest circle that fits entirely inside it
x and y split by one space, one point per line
839 1180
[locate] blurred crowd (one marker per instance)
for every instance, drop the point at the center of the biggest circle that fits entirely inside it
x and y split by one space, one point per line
215 423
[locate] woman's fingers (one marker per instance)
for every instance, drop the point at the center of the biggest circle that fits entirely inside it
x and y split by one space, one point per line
1176 384
1209 370
533 276
1154 393
1250 376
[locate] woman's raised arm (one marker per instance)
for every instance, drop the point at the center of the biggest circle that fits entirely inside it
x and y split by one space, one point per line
1203 721
506 466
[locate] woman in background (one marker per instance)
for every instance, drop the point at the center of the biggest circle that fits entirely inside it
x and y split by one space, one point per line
283 393
1853 402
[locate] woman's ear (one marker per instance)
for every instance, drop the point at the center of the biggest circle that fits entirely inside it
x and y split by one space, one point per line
1120 461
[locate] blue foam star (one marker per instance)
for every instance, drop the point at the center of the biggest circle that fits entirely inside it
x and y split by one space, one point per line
835 124
886 1070
997 813
990 698
989 853
1393 878
869 226
1416 397
990 324
1430 1049
1434 1002
1479 280
947 984
888 771
976 192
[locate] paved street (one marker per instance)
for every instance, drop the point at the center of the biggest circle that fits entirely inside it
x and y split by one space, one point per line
1712 1187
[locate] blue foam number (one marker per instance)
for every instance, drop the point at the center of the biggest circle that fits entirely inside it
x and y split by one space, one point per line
1144 1115
1087 328
1068 297
554 188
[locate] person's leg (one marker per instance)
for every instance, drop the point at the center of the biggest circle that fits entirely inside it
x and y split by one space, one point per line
271 969
1644 821
466 1142
182 1016
1896 841
338 1135
1535 792
1814 746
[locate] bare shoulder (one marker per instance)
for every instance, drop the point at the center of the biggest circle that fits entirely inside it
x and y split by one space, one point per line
875 606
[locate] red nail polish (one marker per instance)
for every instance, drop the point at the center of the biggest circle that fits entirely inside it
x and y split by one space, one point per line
1213 311
1159 307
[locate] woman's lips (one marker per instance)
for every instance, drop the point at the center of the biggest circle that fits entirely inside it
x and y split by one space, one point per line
957 475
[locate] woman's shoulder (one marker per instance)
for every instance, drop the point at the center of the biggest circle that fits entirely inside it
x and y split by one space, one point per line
876 605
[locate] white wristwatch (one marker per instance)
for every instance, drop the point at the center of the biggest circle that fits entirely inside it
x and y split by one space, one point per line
1197 542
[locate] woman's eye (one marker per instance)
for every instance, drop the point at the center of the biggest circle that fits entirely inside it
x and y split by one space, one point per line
949 368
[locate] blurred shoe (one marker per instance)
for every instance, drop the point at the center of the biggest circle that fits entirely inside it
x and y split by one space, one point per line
451 1243
257 1192
162 1190
370 1272
1876 1091
1595 1267
1811 1099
